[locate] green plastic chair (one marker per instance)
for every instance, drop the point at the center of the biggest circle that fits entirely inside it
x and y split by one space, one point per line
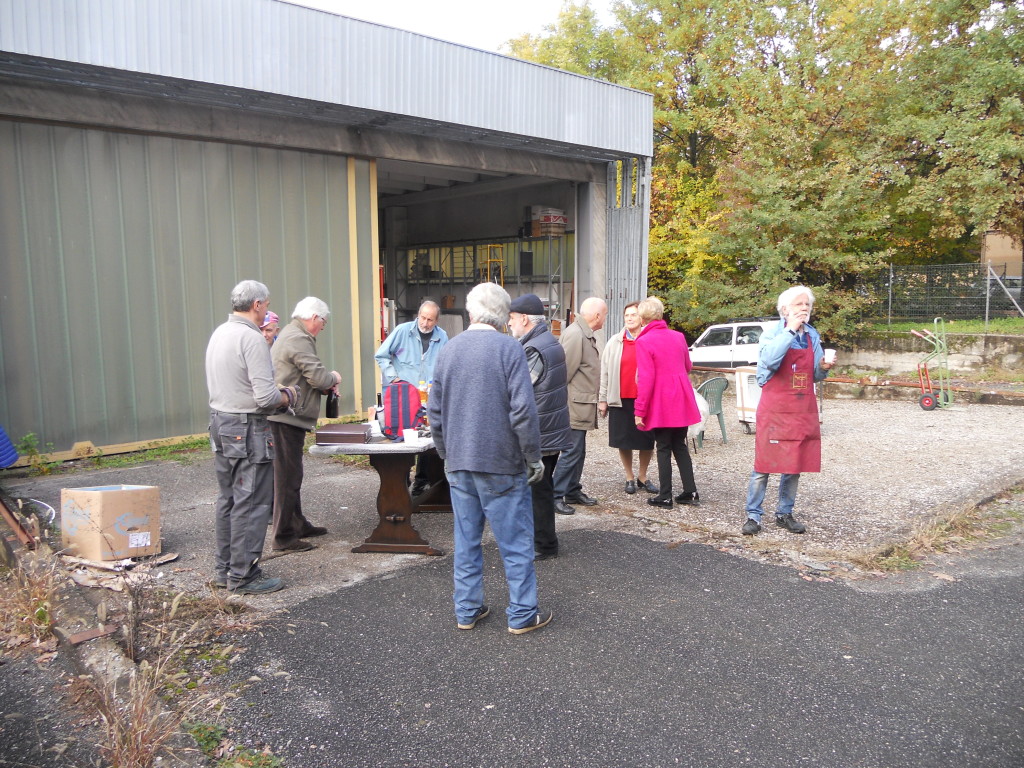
712 390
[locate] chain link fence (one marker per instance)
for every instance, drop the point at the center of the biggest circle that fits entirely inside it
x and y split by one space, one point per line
949 291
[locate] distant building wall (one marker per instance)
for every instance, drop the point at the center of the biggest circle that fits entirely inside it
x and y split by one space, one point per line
1003 252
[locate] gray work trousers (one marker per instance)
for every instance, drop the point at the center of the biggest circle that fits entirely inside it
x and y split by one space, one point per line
243 458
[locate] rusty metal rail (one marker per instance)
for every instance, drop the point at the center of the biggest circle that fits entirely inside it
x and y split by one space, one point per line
13 519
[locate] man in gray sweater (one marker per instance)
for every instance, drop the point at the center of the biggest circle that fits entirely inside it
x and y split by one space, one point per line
483 419
240 378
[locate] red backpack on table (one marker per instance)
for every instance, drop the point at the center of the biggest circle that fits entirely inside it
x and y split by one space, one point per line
402 409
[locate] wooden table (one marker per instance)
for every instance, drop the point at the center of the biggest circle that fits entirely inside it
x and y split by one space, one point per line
395 505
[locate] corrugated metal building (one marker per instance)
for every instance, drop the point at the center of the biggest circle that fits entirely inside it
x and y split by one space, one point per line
155 152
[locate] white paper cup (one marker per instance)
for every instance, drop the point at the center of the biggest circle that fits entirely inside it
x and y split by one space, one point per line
830 355
410 436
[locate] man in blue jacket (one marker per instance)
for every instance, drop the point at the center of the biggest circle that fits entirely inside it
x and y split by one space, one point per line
790 361
409 353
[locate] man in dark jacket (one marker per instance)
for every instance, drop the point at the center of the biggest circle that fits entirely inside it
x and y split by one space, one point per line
483 419
296 364
546 360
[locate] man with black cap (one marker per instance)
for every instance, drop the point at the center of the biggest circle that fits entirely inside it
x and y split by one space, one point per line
546 359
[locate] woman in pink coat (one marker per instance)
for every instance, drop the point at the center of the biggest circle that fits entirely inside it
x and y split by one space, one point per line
665 402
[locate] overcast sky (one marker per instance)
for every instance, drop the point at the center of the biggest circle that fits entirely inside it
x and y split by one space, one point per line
479 23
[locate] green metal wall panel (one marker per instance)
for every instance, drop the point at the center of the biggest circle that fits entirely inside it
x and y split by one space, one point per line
119 255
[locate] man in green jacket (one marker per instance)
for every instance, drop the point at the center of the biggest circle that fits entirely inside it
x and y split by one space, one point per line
296 364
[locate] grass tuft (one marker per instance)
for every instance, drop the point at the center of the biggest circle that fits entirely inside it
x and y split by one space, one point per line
26 600
949 534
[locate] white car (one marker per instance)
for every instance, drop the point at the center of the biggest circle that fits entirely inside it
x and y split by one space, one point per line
729 345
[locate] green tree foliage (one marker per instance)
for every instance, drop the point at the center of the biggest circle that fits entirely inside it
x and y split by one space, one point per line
811 140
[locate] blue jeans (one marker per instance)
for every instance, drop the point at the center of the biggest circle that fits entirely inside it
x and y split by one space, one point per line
756 490
505 502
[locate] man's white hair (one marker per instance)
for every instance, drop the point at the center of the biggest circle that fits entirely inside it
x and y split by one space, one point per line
488 303
790 295
310 306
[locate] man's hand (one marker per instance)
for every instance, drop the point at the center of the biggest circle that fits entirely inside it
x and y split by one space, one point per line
534 472
796 321
289 397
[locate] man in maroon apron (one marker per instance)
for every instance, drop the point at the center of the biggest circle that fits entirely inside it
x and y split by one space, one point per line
790 360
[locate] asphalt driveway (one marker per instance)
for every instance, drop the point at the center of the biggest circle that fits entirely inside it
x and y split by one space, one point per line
657 656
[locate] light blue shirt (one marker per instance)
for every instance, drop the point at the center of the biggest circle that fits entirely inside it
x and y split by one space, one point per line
401 355
777 341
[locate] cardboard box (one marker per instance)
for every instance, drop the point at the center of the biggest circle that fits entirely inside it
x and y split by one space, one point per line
111 522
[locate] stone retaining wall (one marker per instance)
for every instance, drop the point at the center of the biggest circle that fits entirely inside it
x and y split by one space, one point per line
901 352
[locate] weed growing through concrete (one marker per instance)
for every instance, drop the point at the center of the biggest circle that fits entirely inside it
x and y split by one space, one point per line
216 744
949 534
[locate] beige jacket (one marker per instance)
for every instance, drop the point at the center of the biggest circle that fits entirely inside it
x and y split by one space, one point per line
296 364
583 371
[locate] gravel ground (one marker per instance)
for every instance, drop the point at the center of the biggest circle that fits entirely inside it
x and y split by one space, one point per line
887 466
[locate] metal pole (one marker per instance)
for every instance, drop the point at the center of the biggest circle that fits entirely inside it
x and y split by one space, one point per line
988 294
890 294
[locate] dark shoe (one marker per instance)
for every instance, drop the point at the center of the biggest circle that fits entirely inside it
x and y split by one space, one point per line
690 499
315 530
481 613
751 527
630 487
540 619
581 498
646 485
790 523
657 501
261 585
562 508
296 546
220 581
538 556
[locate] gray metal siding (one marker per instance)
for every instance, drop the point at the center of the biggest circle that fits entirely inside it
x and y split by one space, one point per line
119 255
628 215
275 47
